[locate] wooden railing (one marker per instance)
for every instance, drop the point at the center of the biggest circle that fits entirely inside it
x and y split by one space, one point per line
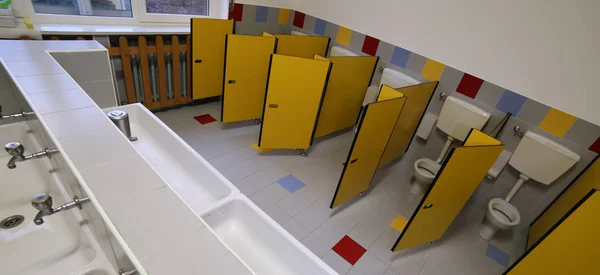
153 89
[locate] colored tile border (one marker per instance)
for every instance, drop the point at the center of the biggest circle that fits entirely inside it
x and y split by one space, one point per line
320 26
595 147
290 183
343 36
349 249
557 122
299 19
400 57
283 17
511 102
370 45
469 85
237 12
261 14
433 70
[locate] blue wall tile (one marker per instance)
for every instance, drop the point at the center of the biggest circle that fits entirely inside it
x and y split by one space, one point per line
320 27
510 102
261 14
497 255
400 57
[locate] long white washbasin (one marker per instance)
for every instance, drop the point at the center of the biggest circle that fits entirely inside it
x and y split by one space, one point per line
63 244
258 241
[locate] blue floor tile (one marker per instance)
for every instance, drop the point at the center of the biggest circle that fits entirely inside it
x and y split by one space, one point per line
290 183
497 255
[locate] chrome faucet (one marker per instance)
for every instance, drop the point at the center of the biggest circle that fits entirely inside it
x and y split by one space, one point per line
15 115
43 203
16 150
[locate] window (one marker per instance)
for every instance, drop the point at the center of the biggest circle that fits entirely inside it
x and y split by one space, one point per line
111 8
183 7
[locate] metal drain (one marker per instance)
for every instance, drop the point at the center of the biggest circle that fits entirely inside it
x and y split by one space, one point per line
12 221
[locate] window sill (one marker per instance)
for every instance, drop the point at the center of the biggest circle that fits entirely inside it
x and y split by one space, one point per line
64 29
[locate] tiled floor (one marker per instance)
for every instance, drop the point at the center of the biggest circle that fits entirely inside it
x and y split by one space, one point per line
296 193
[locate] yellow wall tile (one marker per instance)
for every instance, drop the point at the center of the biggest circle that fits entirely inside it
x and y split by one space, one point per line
343 36
557 122
433 70
284 16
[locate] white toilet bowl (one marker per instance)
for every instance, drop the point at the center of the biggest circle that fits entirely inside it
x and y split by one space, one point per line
500 215
424 171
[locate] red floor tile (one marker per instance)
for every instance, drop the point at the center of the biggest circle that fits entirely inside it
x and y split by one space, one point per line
469 85
204 119
350 250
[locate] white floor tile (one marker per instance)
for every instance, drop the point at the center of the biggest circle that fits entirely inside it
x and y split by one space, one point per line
315 245
390 271
275 192
253 183
276 172
367 231
336 262
355 271
226 161
261 200
296 229
277 214
369 264
315 215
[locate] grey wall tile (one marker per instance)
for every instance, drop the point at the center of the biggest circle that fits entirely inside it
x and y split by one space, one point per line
272 16
272 29
331 30
416 63
533 112
244 28
249 14
385 51
356 41
309 24
495 118
101 92
258 28
284 29
291 20
583 133
450 78
489 94
85 66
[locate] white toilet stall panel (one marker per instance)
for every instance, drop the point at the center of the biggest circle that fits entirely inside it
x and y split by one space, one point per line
389 77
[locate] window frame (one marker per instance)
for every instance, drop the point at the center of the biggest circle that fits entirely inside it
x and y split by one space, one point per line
217 9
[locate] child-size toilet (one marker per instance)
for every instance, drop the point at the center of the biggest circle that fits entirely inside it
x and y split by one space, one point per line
456 120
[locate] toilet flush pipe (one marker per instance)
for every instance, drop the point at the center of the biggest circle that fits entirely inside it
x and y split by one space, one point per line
513 191
449 140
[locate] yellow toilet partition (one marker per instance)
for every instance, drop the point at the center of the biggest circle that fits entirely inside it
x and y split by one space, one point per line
301 46
208 55
587 180
348 82
419 97
460 174
570 247
295 90
246 71
374 130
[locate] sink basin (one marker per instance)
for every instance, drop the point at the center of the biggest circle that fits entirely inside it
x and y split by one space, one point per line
187 173
254 237
62 244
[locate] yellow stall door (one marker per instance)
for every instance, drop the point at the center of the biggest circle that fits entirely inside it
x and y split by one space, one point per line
208 55
246 71
588 179
459 176
374 130
301 46
348 82
419 97
571 247
294 95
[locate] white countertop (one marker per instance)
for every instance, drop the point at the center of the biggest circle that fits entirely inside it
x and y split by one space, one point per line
92 146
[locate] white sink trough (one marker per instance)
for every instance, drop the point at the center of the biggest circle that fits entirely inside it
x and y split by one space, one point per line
256 239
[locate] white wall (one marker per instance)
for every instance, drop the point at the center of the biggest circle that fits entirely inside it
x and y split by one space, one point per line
547 50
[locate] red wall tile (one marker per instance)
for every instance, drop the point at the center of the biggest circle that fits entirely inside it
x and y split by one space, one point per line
299 19
236 13
370 45
469 85
349 249
596 146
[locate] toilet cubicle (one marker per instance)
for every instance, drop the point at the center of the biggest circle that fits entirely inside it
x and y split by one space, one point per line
460 174
588 179
571 246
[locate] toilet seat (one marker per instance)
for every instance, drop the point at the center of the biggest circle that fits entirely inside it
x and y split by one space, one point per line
504 213
426 168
